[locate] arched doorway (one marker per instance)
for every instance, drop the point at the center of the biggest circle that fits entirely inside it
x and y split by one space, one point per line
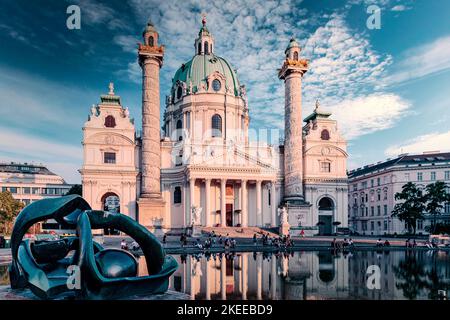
326 208
111 203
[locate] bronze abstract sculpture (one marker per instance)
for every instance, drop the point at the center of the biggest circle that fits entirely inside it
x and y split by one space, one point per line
45 266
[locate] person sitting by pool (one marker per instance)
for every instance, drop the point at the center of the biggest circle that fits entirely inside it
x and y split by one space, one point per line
345 243
379 243
198 244
407 243
350 242
387 243
233 243
333 243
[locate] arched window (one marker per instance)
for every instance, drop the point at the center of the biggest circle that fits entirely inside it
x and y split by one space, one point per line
326 204
199 48
179 92
206 46
179 127
325 135
151 41
216 125
295 55
110 122
177 195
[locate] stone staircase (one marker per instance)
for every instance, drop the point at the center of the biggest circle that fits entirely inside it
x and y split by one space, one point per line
239 232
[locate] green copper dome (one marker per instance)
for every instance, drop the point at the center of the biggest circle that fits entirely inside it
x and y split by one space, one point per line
200 67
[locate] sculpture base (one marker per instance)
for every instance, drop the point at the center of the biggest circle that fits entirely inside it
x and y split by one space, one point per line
284 229
151 213
196 231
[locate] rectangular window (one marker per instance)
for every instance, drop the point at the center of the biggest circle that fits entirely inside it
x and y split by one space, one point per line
447 175
407 177
378 181
4 189
419 176
372 225
372 211
385 225
355 187
367 211
371 183
420 224
433 176
109 157
13 189
35 190
379 196
26 190
378 210
362 212
325 167
385 209
447 208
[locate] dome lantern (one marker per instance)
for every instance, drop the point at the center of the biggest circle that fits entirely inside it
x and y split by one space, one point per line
204 44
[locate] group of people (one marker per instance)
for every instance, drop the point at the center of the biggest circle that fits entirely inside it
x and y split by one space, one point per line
380 243
284 241
345 244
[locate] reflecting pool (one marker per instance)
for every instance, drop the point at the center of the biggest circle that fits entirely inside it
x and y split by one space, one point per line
309 275
314 275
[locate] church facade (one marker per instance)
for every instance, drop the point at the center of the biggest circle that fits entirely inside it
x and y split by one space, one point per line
200 171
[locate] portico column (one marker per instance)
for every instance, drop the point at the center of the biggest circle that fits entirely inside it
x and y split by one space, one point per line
207 202
223 221
191 198
259 277
244 277
207 284
273 277
223 279
273 202
258 204
244 206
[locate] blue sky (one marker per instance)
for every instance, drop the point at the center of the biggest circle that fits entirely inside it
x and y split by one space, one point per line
388 88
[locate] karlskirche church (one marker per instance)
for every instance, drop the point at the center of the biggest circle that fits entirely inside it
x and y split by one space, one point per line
196 170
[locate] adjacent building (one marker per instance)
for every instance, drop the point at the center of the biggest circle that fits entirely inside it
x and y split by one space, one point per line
372 189
31 182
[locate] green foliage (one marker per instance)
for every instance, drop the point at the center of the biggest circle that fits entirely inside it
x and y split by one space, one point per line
412 207
435 198
9 209
76 189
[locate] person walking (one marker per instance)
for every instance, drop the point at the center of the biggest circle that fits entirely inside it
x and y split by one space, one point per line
254 239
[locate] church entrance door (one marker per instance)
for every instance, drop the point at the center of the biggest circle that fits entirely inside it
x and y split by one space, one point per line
229 211
111 203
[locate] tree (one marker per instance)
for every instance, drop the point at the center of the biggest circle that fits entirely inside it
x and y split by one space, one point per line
9 209
435 198
412 208
75 189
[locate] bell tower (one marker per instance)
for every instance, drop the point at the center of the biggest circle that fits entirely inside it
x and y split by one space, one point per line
292 72
151 205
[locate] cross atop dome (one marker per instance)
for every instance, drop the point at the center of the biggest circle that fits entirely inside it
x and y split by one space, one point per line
204 19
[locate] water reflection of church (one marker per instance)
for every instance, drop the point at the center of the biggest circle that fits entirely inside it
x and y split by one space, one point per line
259 276
313 276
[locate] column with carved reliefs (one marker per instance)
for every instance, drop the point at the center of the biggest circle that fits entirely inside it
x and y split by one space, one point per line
292 72
151 204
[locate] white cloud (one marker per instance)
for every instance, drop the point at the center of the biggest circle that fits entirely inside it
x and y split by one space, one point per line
422 61
400 7
127 43
16 146
364 115
429 142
